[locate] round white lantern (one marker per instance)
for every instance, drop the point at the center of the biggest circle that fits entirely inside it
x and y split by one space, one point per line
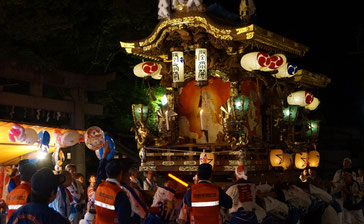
207 157
300 98
286 71
255 61
147 68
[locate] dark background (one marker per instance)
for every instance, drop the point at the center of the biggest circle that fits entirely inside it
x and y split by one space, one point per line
83 37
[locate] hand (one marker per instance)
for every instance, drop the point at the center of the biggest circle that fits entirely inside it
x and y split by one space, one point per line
3 205
106 150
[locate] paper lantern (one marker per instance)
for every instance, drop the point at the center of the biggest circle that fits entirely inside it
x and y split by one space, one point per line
301 160
31 136
207 157
70 138
290 113
286 71
287 161
255 61
312 106
276 61
314 158
300 98
313 128
147 68
201 64
94 138
276 157
178 70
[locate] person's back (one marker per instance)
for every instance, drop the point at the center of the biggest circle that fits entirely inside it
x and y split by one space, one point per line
44 186
20 195
206 198
63 200
111 202
36 213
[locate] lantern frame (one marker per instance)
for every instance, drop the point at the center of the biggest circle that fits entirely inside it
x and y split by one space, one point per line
313 128
140 113
290 113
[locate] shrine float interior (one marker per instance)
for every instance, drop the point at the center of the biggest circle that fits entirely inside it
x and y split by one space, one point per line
233 94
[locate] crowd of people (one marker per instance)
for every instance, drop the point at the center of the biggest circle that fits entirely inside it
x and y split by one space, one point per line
116 195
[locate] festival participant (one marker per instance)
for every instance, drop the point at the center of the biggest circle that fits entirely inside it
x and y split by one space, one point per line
20 195
15 175
111 202
43 191
134 181
205 198
149 184
76 191
243 195
165 202
63 200
338 183
92 187
352 203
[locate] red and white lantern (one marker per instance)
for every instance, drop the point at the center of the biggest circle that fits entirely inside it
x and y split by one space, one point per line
255 61
147 68
300 98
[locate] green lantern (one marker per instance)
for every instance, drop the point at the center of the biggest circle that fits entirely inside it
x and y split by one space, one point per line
241 103
140 113
313 128
290 113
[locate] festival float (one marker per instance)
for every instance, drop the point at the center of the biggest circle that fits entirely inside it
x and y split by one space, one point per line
233 94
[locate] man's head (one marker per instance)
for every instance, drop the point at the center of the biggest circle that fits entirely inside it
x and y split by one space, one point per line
114 170
347 163
360 172
79 177
150 175
92 179
68 178
204 171
44 185
72 169
27 171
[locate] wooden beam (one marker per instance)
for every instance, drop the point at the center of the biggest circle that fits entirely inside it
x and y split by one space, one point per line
36 102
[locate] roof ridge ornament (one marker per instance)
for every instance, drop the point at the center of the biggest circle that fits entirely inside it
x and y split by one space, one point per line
164 7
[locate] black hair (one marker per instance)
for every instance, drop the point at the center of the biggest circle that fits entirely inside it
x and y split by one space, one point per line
113 169
204 177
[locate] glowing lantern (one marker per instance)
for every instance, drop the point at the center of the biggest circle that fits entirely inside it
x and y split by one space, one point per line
312 106
301 160
201 64
287 161
147 68
254 61
70 138
276 61
178 70
286 71
314 158
241 103
300 98
290 113
276 157
140 112
207 157
313 128
31 136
